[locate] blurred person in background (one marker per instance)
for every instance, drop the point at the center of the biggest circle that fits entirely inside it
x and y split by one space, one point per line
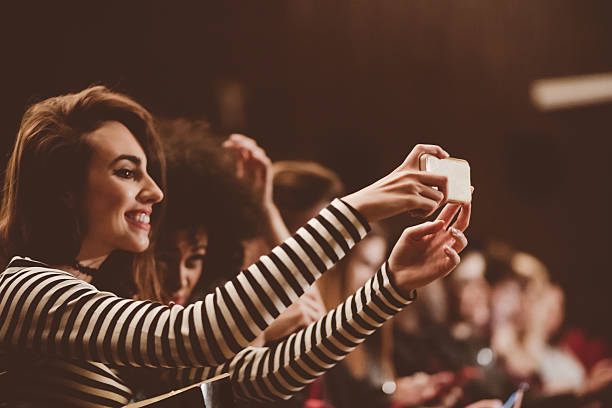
202 236
527 334
268 187
367 377
229 232
210 212
367 373
237 227
300 190
453 360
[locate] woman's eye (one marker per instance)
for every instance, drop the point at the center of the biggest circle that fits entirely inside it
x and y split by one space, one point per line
193 260
125 173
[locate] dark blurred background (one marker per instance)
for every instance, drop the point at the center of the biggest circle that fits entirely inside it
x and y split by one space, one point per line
355 84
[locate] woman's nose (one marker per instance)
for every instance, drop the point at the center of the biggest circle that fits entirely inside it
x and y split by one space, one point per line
151 193
184 278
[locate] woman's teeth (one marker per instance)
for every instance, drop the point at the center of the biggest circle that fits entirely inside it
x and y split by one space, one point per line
140 217
143 218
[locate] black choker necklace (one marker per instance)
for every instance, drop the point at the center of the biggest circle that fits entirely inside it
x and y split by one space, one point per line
85 269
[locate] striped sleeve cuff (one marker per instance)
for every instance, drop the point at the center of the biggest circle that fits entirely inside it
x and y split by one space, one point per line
390 290
355 213
352 221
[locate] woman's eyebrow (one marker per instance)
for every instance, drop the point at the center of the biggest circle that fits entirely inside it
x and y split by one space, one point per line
133 159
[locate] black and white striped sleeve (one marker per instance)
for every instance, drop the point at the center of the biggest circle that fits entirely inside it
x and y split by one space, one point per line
51 312
279 372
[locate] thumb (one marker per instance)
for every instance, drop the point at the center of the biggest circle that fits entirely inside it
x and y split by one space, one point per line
420 231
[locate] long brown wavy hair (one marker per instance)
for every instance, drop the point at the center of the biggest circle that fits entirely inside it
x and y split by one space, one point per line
49 163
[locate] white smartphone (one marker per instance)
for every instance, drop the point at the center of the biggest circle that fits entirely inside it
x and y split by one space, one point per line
458 173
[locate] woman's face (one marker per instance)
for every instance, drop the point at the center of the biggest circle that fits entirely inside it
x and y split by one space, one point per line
474 297
506 302
119 194
192 251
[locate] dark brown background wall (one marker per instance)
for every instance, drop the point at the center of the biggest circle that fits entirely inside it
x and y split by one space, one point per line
355 84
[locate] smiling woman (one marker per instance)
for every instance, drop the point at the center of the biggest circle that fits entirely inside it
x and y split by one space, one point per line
69 150
83 189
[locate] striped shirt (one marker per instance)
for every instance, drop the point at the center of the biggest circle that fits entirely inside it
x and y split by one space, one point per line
68 341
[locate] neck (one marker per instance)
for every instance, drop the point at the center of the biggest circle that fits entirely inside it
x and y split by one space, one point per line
91 262
91 254
86 268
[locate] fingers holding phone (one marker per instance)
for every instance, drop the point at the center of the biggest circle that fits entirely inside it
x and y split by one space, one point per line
413 158
398 192
426 179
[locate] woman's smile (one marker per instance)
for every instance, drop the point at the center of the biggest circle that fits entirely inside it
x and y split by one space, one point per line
139 219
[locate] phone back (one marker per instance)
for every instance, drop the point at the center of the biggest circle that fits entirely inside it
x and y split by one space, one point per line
458 173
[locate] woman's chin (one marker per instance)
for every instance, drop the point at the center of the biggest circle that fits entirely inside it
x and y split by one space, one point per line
137 245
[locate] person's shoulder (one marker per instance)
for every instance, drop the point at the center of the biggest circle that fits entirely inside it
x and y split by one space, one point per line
20 264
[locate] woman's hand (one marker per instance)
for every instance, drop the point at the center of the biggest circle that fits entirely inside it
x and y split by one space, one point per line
254 169
598 382
421 387
253 166
307 309
429 251
404 189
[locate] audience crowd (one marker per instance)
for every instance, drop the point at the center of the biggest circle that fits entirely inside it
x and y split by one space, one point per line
496 322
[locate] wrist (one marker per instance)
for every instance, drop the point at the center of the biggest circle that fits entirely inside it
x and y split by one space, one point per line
356 201
408 294
356 212
274 229
270 210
